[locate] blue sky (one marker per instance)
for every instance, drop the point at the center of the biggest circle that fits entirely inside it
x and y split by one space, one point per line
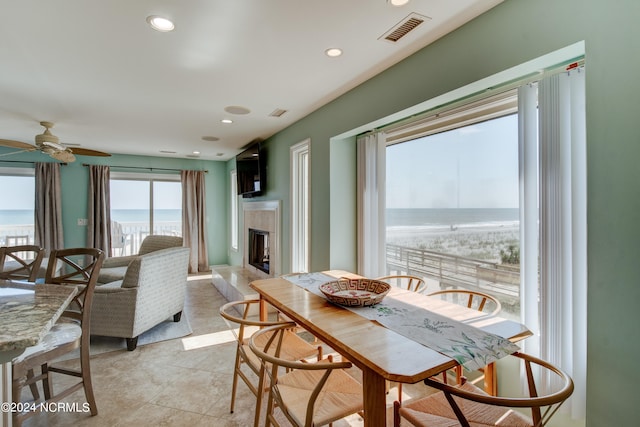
471 167
19 190
124 194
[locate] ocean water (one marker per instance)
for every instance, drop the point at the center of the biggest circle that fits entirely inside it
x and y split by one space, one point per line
438 218
25 216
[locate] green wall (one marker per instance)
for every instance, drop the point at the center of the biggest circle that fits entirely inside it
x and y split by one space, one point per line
75 187
513 33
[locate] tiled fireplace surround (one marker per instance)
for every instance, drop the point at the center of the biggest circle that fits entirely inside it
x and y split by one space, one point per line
233 281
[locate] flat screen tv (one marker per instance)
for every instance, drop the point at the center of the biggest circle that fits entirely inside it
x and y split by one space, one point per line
250 171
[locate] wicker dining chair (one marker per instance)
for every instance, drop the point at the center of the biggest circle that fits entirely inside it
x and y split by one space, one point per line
484 303
308 394
471 299
240 316
404 281
75 267
467 405
20 262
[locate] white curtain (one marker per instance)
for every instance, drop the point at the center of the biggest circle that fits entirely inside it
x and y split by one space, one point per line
562 328
529 220
563 278
371 151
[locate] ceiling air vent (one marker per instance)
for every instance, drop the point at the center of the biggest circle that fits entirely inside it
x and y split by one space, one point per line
403 28
278 112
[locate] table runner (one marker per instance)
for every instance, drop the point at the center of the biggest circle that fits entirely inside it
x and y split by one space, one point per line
471 347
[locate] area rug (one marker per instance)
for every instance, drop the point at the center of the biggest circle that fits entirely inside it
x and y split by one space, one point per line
164 331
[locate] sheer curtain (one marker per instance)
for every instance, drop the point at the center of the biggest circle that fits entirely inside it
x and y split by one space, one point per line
563 227
371 152
99 215
194 216
48 207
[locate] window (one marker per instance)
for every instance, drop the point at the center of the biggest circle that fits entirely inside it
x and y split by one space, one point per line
17 219
234 210
452 200
143 204
300 164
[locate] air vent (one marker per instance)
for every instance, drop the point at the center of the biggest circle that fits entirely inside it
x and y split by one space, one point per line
403 28
277 112
167 152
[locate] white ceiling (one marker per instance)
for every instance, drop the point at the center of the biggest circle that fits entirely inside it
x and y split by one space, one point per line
109 82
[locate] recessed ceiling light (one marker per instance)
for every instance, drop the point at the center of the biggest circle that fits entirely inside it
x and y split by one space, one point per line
159 23
398 2
226 121
333 52
197 153
235 109
210 138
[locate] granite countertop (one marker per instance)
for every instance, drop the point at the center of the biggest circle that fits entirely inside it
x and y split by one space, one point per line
28 311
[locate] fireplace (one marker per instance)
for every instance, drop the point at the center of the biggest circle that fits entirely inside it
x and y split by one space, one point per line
261 238
258 246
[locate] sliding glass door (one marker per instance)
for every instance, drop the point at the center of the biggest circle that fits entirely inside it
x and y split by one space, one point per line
141 206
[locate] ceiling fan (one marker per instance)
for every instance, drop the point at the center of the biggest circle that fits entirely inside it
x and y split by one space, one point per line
50 144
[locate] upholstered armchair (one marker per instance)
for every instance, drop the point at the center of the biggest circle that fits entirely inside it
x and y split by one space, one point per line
114 268
152 290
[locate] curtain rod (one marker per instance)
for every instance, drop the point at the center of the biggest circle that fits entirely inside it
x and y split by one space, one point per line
139 167
30 163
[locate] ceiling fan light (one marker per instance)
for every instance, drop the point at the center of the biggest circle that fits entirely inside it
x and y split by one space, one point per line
63 156
161 24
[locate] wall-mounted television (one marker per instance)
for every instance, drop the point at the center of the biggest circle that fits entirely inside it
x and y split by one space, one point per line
250 171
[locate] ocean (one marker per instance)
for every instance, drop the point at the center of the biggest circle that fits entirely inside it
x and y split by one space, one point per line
437 218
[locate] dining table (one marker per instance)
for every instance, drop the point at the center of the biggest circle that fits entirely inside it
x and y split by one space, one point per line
27 313
377 340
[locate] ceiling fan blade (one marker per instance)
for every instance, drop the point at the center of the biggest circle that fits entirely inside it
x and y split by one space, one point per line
17 144
88 152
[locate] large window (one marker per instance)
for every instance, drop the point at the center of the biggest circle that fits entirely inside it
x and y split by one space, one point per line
141 205
17 217
453 208
483 197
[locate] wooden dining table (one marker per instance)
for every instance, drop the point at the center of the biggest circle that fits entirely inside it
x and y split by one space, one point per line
379 352
27 313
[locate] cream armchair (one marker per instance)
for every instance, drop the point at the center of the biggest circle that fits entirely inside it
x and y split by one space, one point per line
152 291
114 268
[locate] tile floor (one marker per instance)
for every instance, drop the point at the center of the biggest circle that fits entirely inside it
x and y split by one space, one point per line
182 382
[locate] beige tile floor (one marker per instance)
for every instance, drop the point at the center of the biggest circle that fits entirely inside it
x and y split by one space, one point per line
182 382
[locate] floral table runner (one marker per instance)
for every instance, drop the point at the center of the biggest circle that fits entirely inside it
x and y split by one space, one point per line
469 346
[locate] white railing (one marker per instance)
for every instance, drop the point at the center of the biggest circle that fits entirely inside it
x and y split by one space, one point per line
133 234
18 231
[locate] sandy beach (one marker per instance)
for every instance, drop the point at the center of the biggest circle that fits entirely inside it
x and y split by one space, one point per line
479 241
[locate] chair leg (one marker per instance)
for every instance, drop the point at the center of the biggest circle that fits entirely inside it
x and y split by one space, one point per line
85 368
132 343
234 385
33 386
47 381
177 316
396 414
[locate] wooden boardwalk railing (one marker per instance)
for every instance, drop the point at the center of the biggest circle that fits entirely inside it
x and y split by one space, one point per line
453 271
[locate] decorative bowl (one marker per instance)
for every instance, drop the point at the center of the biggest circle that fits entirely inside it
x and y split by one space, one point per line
355 292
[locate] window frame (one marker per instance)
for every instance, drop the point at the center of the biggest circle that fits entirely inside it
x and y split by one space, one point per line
150 178
300 193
